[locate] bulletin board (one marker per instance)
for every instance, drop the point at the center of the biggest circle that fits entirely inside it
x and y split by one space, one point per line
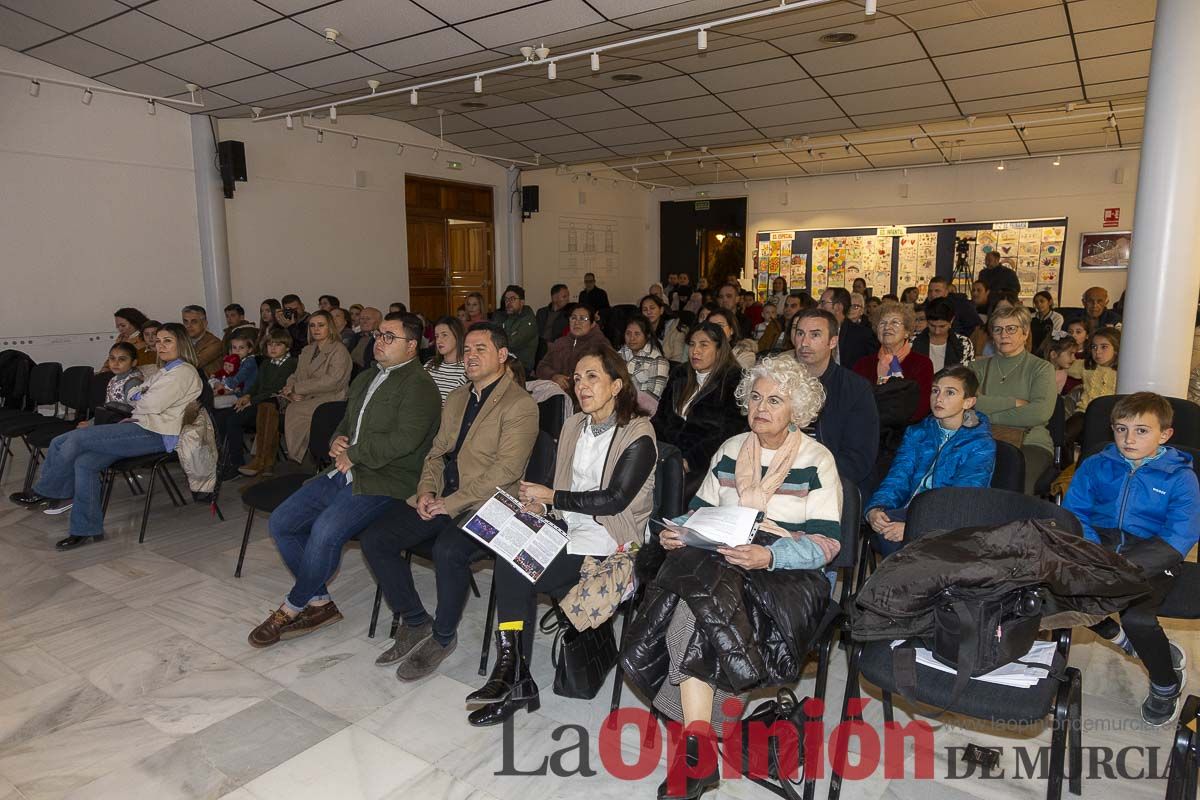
893 258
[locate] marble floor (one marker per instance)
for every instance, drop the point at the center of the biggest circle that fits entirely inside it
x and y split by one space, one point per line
125 673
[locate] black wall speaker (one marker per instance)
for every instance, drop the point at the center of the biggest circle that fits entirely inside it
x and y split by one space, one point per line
529 199
233 159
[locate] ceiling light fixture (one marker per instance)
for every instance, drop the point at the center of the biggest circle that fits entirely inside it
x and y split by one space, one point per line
412 97
552 70
399 149
436 154
150 108
474 161
871 7
333 114
478 85
320 137
353 142
542 52
626 77
913 143
373 85
87 97
847 148
754 158
787 181
637 171
595 62
256 111
288 122
702 39
331 34
1000 166
841 37
35 88
787 143
1057 161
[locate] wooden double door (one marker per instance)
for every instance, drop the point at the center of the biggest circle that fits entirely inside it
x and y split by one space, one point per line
451 245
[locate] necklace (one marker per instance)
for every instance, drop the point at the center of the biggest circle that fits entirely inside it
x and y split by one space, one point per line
1004 377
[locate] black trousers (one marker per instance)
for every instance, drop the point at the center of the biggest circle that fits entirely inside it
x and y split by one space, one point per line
231 426
384 544
1140 620
516 597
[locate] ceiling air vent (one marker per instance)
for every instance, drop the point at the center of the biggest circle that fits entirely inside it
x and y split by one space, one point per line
839 38
626 77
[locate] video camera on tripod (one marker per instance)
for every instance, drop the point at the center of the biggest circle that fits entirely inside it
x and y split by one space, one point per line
964 273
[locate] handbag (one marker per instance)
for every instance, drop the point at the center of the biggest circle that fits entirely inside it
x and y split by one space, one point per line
780 767
1003 433
582 659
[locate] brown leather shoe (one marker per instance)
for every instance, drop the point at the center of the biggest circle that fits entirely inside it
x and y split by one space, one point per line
268 632
311 618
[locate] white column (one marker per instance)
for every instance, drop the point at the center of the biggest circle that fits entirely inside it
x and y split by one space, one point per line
1164 280
210 220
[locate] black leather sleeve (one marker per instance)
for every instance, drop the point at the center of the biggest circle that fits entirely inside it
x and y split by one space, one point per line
633 469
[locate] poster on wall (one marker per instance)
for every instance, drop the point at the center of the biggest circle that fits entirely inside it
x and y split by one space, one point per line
1037 260
1107 250
918 262
588 245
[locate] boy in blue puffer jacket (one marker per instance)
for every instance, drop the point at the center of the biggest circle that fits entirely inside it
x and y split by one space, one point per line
1141 499
953 446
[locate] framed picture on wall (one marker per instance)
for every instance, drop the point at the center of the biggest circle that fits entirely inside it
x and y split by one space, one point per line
1105 250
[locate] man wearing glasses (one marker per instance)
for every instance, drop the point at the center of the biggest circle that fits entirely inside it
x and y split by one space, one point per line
378 450
559 361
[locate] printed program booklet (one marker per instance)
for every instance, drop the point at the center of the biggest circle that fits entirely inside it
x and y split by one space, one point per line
719 526
527 541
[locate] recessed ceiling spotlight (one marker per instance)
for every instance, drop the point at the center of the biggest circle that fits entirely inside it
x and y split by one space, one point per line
473 104
841 37
626 77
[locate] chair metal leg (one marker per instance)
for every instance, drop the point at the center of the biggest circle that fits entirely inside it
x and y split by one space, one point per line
474 588
395 626
146 508
1058 740
619 672
106 481
135 485
838 759
488 624
375 611
889 711
5 455
1074 734
237 573
35 461
173 488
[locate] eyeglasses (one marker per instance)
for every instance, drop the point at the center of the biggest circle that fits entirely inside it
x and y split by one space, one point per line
856 305
891 323
388 337
574 318
1011 330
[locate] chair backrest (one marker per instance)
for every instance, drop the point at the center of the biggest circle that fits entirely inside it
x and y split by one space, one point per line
207 398
43 383
15 367
668 483
615 320
1070 314
74 390
851 525
1009 472
325 420
552 416
98 390
1057 426
958 507
542 460
1097 429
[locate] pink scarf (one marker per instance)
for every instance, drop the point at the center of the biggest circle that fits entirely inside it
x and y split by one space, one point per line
890 363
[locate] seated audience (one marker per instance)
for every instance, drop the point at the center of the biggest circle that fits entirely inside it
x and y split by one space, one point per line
1140 498
355 310
996 276
697 410
328 302
550 319
896 357
463 317
979 296
776 337
1046 321
461 472
910 296
209 351
1079 333
953 446
1096 313
603 492
260 408
966 319
559 362
341 326
1098 375
294 318
919 320
129 323
854 341
1017 391
848 423
592 295
769 314
322 375
126 381
363 353
266 321
1061 354
744 351
727 298
400 308
377 450
70 477
520 325
648 368
938 342
760 469
237 382
235 320
446 367
858 308
779 293
149 336
475 306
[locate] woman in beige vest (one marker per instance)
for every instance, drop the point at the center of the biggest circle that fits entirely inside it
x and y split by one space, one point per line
322 375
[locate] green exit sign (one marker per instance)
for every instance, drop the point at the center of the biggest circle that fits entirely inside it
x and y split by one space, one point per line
702 205
454 164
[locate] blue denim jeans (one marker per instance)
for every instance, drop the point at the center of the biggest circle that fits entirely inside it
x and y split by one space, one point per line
311 527
76 460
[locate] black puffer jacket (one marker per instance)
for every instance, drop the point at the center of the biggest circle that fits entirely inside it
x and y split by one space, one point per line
1083 580
753 627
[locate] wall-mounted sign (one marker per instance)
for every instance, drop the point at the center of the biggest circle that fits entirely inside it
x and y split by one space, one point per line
702 205
892 230
1112 217
779 236
1009 226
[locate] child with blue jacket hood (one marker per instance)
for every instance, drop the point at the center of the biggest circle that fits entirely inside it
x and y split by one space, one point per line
953 446
1141 498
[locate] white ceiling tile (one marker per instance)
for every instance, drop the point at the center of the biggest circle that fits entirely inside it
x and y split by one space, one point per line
537 94
447 67
1136 86
1022 102
753 53
925 94
691 10
827 59
630 134
745 76
728 137
331 70
67 15
762 161
808 43
458 11
996 31
648 72
990 150
441 44
280 44
1006 136
865 80
1111 41
449 124
821 108
576 38
362 23
605 119
775 94
471 138
241 111
560 144
579 156
358 86
1079 142
680 109
698 126
296 100
138 36
808 127
531 22
1090 15
211 100
79 56
657 91
18 31
250 90
1127 66
832 16
900 145
832 163
640 148
903 159
584 103
1015 56
947 14
508 115
142 78
1021 81
873 120
211 19
542 129
292 6
206 65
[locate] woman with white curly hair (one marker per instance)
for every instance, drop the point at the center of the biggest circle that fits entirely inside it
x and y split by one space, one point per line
790 477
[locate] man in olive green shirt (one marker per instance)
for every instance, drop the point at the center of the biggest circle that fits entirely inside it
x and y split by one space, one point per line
378 451
520 324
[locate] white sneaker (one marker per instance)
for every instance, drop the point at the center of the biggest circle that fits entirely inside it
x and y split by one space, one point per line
59 507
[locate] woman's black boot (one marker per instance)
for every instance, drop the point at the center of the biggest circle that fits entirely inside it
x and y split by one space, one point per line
692 787
508 670
523 695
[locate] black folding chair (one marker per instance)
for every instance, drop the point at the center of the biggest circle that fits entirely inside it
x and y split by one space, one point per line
43 391
947 510
15 368
1058 436
74 399
1184 764
1009 473
552 414
1097 428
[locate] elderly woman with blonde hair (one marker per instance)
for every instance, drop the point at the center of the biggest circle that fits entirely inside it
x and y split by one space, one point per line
792 479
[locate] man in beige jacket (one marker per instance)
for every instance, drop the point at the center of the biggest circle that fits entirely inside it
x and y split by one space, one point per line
487 433
209 350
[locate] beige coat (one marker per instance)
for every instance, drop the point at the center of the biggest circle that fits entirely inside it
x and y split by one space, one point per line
165 396
322 376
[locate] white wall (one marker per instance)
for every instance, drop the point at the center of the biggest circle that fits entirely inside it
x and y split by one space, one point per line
300 225
97 211
633 212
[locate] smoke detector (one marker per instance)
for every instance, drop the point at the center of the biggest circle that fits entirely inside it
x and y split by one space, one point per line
331 34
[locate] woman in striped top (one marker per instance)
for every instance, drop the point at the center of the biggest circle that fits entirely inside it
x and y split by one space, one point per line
446 368
647 365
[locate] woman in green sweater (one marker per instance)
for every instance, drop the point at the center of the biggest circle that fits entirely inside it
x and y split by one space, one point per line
1017 389
258 408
